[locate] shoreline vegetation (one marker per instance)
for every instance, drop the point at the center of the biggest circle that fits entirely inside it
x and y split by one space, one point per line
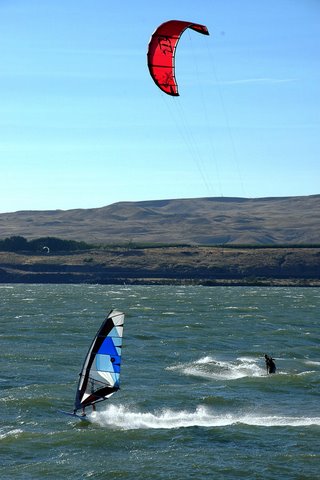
52 260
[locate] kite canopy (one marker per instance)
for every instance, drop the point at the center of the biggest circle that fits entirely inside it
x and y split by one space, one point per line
161 52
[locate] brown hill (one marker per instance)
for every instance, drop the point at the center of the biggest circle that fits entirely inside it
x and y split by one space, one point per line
281 220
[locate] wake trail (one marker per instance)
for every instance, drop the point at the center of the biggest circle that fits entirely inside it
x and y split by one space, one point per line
211 368
123 418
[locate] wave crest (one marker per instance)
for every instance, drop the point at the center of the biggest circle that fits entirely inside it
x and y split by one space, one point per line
123 418
211 368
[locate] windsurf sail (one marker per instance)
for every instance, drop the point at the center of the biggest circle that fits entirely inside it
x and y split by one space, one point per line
100 374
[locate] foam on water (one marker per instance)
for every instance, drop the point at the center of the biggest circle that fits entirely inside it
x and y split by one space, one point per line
10 433
307 372
310 362
124 418
211 368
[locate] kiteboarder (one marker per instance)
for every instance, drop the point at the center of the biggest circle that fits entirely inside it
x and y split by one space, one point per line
271 366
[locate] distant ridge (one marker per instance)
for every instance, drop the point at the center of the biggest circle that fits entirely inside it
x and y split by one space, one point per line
210 221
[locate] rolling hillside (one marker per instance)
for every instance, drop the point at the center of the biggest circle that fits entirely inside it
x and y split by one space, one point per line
201 221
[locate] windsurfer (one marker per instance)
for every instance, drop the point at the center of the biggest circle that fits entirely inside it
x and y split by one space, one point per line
270 365
99 378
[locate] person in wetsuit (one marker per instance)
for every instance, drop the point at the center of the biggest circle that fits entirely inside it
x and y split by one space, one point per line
270 365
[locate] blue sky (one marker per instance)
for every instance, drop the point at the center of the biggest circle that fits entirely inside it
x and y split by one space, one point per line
82 125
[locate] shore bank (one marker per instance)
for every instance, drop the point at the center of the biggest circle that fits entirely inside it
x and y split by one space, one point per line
209 266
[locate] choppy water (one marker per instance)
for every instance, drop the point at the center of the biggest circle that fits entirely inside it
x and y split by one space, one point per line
195 400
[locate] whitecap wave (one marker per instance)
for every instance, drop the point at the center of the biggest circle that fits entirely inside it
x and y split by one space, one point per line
307 372
279 421
127 419
312 362
123 418
11 433
204 360
211 368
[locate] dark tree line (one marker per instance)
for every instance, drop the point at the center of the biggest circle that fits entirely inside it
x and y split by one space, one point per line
44 245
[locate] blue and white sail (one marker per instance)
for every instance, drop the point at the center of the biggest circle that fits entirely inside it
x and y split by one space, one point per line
100 374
